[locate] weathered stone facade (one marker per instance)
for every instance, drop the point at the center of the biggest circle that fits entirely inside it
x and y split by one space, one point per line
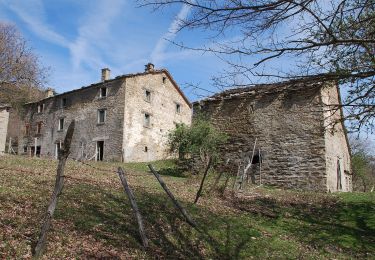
110 116
4 119
290 123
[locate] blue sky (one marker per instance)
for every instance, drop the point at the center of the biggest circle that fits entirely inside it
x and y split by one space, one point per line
78 38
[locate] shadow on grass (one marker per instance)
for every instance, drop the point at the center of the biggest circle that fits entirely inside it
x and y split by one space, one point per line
334 226
108 217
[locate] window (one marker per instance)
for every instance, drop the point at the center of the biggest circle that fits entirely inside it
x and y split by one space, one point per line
39 127
146 149
58 146
178 108
25 149
61 124
148 95
27 129
164 79
101 116
64 102
40 108
147 120
103 92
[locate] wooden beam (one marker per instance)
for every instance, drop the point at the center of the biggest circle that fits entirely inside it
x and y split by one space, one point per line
134 206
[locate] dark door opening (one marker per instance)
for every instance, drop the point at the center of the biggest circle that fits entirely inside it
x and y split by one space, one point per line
38 151
99 150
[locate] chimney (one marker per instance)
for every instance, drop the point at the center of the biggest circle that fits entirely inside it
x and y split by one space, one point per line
105 74
49 92
149 67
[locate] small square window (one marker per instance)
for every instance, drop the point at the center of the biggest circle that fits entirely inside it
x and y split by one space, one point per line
178 108
147 120
148 95
101 116
103 92
61 124
39 127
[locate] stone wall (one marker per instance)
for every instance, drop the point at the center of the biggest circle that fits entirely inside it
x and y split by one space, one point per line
288 125
338 164
82 105
4 118
124 132
148 143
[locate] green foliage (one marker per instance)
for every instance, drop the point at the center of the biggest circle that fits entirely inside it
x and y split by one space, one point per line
201 140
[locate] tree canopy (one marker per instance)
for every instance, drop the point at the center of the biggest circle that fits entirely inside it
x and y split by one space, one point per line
331 40
21 75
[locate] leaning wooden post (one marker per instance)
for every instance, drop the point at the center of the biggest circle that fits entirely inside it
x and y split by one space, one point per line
62 156
134 206
188 219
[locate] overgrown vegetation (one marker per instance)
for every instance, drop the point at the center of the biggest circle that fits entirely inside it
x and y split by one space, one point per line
94 219
201 142
363 163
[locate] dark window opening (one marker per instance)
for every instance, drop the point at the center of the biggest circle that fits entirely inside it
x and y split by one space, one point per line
40 108
25 149
64 102
148 96
146 149
99 150
39 128
27 129
164 79
61 124
178 108
103 92
101 116
147 120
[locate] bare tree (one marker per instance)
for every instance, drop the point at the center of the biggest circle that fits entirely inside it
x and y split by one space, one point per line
21 76
329 40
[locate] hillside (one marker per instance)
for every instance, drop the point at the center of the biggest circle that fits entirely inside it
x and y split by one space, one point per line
94 219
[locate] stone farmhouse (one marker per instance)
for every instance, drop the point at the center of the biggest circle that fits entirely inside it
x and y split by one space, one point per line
299 141
122 119
4 120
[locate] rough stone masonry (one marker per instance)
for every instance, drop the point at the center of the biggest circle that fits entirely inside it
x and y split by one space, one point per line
122 119
301 143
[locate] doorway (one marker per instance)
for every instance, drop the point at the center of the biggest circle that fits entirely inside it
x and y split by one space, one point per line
99 150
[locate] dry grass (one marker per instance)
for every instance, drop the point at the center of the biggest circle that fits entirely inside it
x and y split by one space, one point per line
94 219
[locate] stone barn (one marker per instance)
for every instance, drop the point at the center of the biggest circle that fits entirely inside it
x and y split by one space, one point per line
122 119
300 141
4 119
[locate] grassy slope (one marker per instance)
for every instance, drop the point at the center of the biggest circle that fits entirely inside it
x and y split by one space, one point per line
93 217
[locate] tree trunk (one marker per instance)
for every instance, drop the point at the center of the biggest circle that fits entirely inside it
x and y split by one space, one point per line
59 183
134 206
208 166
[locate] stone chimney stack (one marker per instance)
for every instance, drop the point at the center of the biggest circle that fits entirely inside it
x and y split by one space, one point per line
106 74
49 92
149 67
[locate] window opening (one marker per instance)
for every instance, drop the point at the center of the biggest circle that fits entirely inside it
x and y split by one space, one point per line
101 116
61 124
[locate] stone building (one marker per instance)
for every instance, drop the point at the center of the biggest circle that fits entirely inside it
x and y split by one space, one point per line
4 119
122 119
299 141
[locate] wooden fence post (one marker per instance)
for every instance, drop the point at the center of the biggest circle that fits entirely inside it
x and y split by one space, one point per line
188 219
62 156
134 206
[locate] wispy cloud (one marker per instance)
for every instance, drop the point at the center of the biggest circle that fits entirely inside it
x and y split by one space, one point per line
158 54
32 13
94 34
